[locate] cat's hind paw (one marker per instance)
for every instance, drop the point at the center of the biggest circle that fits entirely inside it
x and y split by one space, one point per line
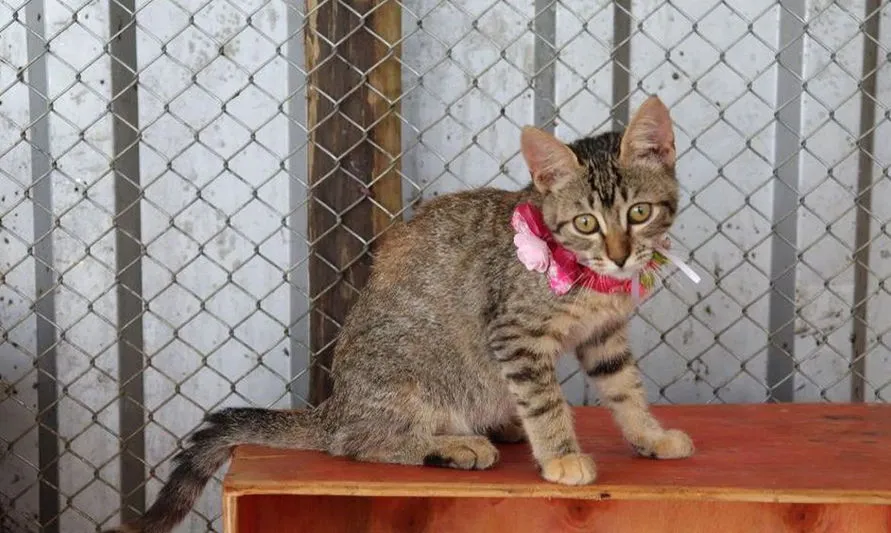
463 453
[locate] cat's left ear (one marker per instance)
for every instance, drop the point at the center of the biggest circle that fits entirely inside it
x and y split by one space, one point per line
551 163
649 138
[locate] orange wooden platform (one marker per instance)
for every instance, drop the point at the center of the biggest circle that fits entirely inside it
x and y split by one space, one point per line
758 469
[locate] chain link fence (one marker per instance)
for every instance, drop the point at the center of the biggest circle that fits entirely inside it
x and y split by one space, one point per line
191 191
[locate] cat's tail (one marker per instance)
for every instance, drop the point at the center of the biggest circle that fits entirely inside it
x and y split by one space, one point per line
212 446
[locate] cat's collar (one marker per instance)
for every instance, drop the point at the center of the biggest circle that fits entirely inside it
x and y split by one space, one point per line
539 251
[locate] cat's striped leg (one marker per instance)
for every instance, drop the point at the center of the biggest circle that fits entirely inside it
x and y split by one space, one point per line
528 368
608 362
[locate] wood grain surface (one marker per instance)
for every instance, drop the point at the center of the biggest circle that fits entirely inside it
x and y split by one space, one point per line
352 514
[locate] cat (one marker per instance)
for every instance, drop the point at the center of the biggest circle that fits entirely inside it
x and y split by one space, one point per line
452 344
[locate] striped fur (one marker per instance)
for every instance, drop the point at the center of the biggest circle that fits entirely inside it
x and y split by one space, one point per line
453 342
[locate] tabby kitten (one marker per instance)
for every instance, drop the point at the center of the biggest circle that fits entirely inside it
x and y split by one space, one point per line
453 342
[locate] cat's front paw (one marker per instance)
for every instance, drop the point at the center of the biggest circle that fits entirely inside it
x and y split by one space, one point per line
571 469
671 444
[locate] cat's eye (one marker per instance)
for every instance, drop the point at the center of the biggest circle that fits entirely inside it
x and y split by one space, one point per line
640 213
586 224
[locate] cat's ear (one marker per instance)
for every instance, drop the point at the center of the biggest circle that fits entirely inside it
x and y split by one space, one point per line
551 163
649 137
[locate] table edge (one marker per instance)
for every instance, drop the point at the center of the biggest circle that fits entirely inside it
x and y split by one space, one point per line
590 492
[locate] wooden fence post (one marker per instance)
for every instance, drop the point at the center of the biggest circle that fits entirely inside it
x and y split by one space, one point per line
353 91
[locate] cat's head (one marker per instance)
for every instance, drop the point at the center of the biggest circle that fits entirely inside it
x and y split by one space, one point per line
612 198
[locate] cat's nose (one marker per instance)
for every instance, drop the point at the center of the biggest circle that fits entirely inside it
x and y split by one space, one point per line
618 248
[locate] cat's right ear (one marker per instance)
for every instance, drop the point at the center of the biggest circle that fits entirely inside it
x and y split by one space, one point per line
551 163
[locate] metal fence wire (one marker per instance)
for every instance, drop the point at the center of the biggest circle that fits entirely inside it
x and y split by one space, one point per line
191 190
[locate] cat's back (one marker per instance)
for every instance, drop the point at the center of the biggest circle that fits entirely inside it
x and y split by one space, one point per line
449 232
436 270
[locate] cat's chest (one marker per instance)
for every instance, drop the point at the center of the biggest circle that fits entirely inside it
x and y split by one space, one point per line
581 319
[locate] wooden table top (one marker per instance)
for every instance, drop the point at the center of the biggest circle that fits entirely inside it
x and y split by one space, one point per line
805 453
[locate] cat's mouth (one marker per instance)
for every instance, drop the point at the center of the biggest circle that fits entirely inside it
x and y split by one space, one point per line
606 268
632 268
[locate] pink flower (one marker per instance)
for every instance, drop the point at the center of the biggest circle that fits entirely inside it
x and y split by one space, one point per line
532 252
559 281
